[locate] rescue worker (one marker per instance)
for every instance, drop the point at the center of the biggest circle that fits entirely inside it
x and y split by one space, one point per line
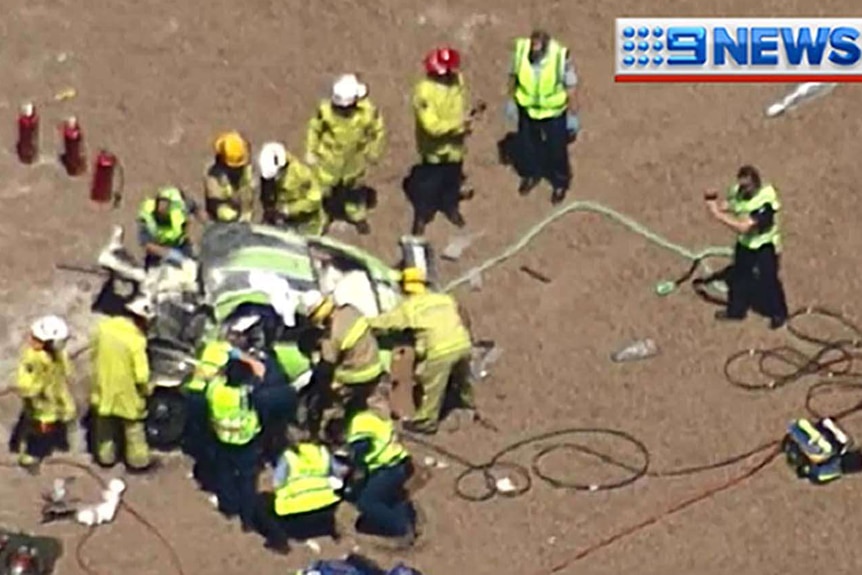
349 354
346 134
443 123
380 467
199 440
229 181
305 497
752 210
43 382
121 386
442 343
163 227
543 84
236 425
291 193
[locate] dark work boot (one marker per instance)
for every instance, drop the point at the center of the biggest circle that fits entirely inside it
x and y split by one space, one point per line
558 195
363 228
418 228
456 218
527 185
777 322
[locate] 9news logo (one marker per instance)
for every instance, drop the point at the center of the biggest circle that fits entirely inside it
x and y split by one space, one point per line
738 50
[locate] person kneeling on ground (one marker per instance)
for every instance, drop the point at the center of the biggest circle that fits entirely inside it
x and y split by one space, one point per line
305 496
380 468
43 385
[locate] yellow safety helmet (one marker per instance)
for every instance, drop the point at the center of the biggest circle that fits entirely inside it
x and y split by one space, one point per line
413 280
232 148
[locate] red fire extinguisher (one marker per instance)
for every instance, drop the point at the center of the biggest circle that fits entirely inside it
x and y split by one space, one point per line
73 151
28 134
102 190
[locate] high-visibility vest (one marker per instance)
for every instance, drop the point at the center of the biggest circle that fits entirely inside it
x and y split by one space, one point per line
542 95
307 486
212 358
386 450
174 233
743 207
234 420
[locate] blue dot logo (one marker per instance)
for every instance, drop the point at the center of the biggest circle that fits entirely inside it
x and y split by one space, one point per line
629 46
629 61
643 60
657 45
657 32
628 32
643 46
643 32
658 60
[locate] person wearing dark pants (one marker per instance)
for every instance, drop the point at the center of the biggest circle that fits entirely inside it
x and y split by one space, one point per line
236 426
304 501
381 468
752 211
543 85
443 123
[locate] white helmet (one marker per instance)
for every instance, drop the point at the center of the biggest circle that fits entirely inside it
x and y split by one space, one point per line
272 159
244 323
142 306
347 89
50 328
310 301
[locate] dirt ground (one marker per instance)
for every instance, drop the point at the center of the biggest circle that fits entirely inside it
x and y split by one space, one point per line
157 80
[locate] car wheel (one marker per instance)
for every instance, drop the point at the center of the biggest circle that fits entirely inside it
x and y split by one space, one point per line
166 419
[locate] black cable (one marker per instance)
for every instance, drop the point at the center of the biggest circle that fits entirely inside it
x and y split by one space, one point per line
830 358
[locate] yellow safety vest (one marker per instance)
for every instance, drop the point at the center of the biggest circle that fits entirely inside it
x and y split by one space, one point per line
234 420
385 451
743 207
173 234
212 358
544 95
307 486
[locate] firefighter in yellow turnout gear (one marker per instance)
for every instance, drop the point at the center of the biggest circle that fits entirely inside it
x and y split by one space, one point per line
443 346
121 386
304 500
43 385
349 354
290 192
229 181
346 134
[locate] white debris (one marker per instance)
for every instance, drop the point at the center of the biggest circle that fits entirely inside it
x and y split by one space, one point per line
475 280
434 463
802 93
105 511
313 545
456 246
505 485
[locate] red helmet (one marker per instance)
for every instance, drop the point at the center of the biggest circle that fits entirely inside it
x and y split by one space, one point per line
442 61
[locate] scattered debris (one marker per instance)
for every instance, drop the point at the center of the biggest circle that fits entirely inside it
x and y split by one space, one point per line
65 94
475 280
485 354
536 275
105 511
636 350
313 545
802 93
505 485
62 57
456 246
434 463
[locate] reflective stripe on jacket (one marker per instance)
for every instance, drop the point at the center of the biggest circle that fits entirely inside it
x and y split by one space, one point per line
440 111
386 450
234 419
307 487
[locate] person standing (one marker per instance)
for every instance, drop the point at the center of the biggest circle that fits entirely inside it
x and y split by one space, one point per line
343 138
121 386
543 84
43 385
752 210
443 123
236 425
229 181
